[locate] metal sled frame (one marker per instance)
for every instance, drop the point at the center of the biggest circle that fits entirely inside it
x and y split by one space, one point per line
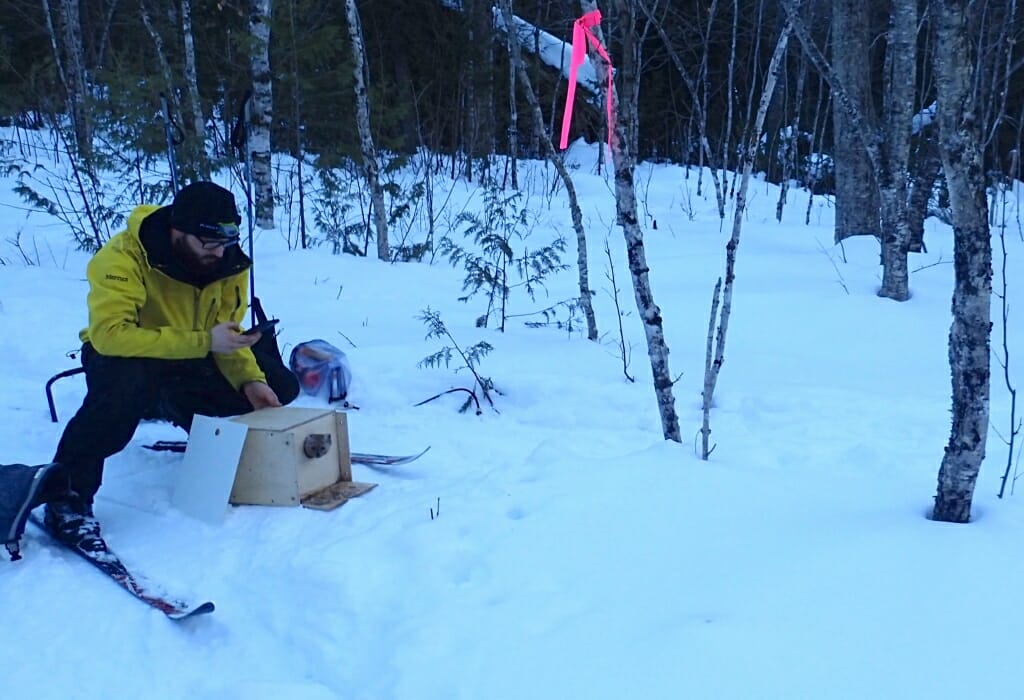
49 389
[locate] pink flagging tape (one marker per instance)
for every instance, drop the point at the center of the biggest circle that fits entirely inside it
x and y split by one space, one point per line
581 35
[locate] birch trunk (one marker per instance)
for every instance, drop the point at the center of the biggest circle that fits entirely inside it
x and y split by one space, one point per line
104 41
262 113
71 21
192 87
513 108
898 108
925 169
712 368
161 56
730 91
298 148
857 203
895 237
624 161
355 33
792 142
969 335
541 132
490 105
887 142
705 100
70 63
472 119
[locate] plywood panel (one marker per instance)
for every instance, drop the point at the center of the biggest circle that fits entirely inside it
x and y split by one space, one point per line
282 418
203 480
266 470
344 454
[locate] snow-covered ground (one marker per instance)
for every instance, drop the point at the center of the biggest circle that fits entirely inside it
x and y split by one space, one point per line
557 547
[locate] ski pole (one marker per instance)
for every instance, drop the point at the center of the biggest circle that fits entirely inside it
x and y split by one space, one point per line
240 140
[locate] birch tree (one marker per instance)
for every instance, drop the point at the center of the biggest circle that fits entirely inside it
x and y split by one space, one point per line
298 149
886 137
192 90
478 38
369 150
857 206
513 103
925 169
893 177
162 60
624 161
66 42
713 366
262 113
960 141
161 55
78 87
541 132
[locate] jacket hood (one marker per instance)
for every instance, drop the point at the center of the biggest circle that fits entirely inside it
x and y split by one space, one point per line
152 226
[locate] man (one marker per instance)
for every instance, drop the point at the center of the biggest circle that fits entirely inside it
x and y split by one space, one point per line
166 298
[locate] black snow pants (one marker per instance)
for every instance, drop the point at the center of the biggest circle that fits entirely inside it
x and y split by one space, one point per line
124 390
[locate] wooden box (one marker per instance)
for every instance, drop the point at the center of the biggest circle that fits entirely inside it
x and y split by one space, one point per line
294 456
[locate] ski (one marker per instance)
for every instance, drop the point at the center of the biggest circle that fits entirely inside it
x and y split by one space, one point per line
111 565
368 459
374 460
167 446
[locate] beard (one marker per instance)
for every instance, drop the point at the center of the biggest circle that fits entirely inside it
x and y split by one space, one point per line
201 263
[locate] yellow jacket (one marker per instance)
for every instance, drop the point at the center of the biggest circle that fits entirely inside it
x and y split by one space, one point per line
144 303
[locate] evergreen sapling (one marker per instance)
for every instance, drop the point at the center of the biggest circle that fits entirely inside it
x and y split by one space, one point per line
470 357
502 224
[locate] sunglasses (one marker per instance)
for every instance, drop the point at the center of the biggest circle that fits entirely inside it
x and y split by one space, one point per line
213 236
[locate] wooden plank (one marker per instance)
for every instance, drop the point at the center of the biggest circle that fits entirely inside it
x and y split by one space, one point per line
335 495
280 418
344 453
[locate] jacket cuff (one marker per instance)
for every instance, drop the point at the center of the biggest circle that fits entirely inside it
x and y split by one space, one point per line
238 383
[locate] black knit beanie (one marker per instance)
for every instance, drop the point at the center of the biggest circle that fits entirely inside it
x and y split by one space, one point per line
206 204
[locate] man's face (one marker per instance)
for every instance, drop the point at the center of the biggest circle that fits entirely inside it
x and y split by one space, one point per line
196 256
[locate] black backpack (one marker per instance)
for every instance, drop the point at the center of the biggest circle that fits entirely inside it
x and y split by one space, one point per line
21 488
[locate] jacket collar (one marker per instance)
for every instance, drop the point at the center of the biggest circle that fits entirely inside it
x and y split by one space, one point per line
155 237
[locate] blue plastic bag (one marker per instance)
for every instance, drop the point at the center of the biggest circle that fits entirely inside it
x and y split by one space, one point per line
317 363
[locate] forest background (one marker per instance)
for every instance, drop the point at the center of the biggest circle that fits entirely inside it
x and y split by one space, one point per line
438 78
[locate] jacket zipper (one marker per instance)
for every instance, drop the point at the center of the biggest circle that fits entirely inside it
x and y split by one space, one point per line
211 315
199 323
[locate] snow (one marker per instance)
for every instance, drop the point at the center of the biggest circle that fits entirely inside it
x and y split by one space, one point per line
925 118
557 547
